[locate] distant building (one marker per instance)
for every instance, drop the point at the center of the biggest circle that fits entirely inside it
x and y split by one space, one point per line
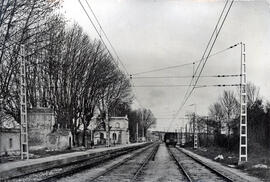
60 139
119 133
40 123
42 134
9 136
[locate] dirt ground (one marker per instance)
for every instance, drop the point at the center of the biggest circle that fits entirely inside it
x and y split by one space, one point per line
163 168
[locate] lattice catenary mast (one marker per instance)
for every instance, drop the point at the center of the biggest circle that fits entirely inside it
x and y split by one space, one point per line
243 109
195 133
23 107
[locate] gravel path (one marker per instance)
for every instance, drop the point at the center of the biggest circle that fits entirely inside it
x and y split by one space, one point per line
163 168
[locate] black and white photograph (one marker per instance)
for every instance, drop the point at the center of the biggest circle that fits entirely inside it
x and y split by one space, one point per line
134 91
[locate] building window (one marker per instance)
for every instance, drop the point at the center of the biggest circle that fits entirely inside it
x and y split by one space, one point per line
114 136
10 143
117 125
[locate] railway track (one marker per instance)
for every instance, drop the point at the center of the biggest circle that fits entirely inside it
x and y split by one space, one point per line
128 169
52 174
195 170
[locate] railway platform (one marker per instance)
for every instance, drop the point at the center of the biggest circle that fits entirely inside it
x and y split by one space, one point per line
17 168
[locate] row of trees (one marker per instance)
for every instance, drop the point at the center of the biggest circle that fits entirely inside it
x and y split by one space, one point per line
223 120
140 121
65 69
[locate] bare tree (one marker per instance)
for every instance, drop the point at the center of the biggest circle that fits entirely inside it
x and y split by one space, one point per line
253 93
148 119
20 23
216 112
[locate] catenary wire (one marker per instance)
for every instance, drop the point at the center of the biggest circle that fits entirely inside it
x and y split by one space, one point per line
186 76
197 86
183 65
114 50
88 16
188 93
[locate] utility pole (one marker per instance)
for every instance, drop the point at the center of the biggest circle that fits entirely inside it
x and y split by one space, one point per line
186 134
182 137
190 131
137 132
195 134
207 131
243 109
23 107
107 127
142 124
179 136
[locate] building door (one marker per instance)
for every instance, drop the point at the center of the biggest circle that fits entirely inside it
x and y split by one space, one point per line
120 137
69 142
114 138
102 140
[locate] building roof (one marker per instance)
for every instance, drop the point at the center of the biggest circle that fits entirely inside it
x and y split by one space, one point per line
8 122
40 110
114 118
62 132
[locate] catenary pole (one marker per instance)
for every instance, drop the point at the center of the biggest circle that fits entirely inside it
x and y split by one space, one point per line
243 107
23 107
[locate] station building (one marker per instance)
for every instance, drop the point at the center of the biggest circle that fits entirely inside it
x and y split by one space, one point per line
119 133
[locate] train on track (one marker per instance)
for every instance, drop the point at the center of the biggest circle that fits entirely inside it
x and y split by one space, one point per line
170 139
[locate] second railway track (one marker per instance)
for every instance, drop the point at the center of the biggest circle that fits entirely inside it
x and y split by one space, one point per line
55 173
195 170
128 169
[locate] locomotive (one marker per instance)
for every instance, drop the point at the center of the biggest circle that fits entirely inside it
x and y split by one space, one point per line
170 139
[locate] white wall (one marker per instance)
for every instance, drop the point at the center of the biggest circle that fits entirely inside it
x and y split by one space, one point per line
5 143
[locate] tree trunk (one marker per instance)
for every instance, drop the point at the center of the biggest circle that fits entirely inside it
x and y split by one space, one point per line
83 136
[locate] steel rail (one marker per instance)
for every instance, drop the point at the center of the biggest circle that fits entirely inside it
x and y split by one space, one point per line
207 166
180 166
149 157
94 159
113 167
103 158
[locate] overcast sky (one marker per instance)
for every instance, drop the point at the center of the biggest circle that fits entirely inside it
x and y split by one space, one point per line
150 34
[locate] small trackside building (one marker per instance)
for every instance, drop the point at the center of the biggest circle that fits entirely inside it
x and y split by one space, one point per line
119 133
9 136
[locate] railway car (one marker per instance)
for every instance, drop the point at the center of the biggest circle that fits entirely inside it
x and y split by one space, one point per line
170 139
